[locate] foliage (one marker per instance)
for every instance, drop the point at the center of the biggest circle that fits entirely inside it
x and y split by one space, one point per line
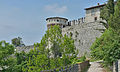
53 51
107 47
17 42
6 60
81 59
107 11
115 23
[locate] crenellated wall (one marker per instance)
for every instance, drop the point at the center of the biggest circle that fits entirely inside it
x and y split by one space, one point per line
76 22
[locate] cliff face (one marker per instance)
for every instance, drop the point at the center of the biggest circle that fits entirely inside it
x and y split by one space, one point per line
84 35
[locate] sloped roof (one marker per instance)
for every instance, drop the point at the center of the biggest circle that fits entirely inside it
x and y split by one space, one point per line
95 7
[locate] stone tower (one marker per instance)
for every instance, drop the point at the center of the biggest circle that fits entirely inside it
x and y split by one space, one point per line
62 22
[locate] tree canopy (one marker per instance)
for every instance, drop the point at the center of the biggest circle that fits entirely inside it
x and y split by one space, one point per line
107 47
54 51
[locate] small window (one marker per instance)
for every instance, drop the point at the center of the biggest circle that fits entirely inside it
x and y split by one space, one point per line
57 20
95 18
63 26
69 24
92 12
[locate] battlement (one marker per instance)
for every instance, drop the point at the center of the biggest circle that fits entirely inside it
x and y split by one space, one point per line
76 22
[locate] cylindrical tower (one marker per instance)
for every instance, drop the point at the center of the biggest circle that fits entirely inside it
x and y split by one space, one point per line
62 22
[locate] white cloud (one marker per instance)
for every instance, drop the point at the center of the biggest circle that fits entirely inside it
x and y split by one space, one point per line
55 8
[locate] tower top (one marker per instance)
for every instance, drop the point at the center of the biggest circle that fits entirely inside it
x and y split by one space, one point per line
51 21
56 18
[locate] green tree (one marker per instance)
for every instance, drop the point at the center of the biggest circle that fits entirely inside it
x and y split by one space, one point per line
53 51
107 11
17 42
6 59
115 23
54 38
107 47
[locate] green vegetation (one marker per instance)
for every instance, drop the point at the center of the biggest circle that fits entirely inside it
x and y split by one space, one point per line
6 60
71 34
81 59
107 47
106 12
17 42
54 51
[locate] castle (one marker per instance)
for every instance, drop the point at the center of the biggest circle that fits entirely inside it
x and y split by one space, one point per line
84 30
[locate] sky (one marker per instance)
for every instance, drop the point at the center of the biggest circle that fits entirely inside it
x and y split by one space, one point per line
27 18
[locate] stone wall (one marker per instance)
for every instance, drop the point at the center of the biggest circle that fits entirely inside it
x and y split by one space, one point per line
25 48
83 66
84 35
79 67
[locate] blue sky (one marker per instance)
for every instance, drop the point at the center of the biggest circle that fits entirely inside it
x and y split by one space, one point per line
26 18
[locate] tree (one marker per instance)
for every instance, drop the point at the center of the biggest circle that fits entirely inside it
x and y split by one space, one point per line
115 24
107 11
54 38
107 47
6 60
53 51
17 42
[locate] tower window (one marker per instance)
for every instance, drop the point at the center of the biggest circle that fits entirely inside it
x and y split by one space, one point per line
92 12
57 20
63 26
95 18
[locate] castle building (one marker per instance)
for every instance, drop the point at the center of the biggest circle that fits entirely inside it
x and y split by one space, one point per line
84 30
62 22
93 13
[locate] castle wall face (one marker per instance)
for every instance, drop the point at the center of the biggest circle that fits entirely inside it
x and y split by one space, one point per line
84 35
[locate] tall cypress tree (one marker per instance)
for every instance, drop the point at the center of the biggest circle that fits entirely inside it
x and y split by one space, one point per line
107 11
110 7
116 18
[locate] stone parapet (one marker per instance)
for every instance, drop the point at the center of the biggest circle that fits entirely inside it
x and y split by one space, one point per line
79 67
83 66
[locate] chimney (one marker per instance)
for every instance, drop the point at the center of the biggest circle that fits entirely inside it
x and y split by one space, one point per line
98 4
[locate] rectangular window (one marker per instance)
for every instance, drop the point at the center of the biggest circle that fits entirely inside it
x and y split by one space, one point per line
95 18
92 12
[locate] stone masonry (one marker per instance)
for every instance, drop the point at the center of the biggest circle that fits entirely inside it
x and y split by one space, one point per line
84 35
